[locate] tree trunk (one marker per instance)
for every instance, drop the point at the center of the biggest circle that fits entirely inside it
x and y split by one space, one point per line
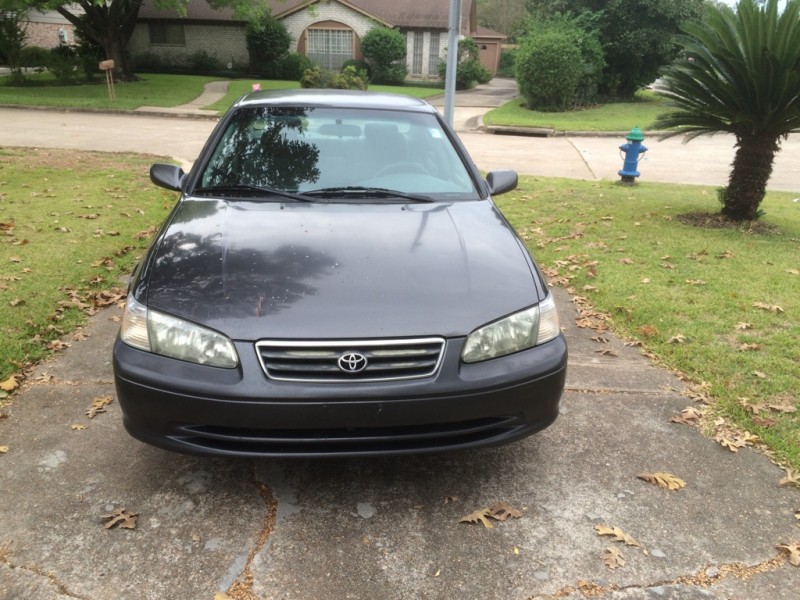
747 183
110 25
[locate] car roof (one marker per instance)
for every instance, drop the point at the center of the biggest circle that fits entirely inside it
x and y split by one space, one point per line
335 99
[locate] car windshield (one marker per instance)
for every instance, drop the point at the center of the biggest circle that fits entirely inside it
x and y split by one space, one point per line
344 152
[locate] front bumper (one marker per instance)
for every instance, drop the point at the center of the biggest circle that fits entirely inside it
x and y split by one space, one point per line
240 412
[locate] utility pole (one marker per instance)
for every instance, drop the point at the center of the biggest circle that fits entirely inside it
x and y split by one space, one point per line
453 33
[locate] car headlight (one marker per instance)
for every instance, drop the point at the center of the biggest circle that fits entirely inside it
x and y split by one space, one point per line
166 335
525 329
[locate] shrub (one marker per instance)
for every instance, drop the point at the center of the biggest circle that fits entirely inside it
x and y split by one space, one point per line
548 69
12 41
359 65
34 57
150 62
506 67
559 63
203 62
469 70
348 79
268 41
383 48
64 63
293 65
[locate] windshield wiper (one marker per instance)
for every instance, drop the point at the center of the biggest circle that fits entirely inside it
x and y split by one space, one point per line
238 188
366 192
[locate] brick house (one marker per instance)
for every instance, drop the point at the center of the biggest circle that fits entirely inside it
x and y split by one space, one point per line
329 32
48 29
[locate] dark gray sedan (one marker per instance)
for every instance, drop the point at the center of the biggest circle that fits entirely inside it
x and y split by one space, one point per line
335 280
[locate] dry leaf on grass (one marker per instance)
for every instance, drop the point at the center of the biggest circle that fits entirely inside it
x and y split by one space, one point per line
663 480
766 306
613 558
121 518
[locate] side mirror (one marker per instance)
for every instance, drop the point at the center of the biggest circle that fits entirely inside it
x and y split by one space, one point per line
167 176
501 182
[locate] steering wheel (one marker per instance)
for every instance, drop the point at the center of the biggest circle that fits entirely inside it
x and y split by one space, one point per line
401 167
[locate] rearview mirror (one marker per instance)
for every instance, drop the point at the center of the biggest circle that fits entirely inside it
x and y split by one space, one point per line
167 176
501 182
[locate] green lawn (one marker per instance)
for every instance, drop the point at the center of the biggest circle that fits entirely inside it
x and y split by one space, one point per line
240 87
152 90
71 227
617 116
720 305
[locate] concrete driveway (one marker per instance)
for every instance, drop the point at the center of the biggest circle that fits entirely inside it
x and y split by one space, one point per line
389 529
379 529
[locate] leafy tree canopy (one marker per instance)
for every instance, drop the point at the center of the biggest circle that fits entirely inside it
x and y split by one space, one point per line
636 35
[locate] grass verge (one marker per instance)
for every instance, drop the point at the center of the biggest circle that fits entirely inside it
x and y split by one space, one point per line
240 87
617 116
152 90
720 305
72 225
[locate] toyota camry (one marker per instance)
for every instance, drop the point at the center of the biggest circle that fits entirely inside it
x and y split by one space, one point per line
335 280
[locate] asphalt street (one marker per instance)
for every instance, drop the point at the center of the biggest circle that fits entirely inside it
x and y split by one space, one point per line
383 529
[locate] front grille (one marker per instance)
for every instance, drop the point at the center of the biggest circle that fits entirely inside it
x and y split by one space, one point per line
352 442
350 360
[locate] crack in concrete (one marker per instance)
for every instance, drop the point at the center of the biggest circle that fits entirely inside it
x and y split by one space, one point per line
242 587
740 571
60 586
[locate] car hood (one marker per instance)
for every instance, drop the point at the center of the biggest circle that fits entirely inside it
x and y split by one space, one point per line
256 270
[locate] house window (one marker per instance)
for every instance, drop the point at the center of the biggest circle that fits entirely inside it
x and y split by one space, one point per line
170 34
416 62
433 58
330 48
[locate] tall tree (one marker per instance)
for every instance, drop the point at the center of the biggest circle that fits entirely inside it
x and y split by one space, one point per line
110 23
504 16
740 74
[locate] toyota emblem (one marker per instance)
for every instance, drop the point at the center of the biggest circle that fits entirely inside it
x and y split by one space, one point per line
352 362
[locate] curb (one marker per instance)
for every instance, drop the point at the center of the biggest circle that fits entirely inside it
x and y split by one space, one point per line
112 111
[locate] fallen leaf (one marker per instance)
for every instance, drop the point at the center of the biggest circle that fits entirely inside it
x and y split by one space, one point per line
787 406
121 518
99 406
77 427
478 516
687 416
3 449
792 479
749 347
616 535
677 339
764 421
222 596
760 374
10 384
449 499
770 307
663 480
625 261
613 558
502 511
695 282
743 326
793 550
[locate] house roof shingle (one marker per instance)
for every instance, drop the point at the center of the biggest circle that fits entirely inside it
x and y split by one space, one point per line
432 14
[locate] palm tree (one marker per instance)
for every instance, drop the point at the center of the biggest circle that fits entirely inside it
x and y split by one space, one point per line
740 74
